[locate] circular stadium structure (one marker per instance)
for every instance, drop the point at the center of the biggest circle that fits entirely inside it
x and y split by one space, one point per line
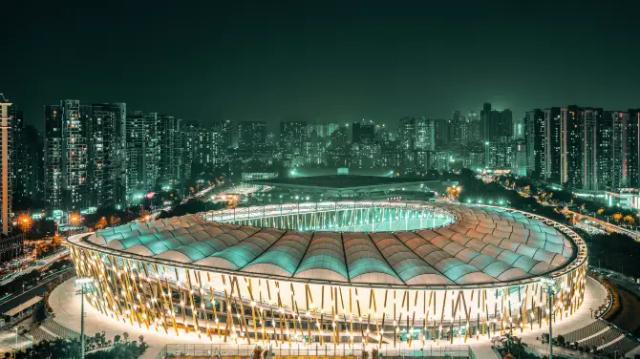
337 272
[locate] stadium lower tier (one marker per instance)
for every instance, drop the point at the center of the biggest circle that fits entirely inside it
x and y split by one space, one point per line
177 300
240 307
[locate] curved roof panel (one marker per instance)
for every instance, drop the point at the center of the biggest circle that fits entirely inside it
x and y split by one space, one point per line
482 245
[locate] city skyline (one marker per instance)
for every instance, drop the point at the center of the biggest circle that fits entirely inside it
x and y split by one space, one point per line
348 179
105 155
329 63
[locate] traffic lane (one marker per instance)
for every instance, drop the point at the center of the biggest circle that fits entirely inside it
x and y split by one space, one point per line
40 288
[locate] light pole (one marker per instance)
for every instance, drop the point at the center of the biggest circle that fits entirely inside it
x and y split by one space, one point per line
550 284
82 282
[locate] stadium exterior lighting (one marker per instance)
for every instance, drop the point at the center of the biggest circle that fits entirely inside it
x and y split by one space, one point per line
257 269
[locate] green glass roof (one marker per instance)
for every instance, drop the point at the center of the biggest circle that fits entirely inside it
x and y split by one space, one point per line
484 244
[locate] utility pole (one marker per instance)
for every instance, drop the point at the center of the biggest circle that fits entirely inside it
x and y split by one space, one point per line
550 283
550 297
82 321
82 282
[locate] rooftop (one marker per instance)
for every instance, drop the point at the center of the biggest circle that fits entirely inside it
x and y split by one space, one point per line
484 245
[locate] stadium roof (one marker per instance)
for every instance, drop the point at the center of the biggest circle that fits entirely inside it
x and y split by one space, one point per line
484 245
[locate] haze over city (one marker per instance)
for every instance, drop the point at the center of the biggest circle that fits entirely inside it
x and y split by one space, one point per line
321 60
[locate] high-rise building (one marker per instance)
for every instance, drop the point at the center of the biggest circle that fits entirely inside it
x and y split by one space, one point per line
583 147
578 147
322 130
66 156
365 155
143 153
499 155
459 129
27 168
625 148
417 133
542 135
314 151
417 142
208 147
475 128
171 166
363 131
106 140
633 148
552 153
5 164
535 142
442 133
252 137
519 166
337 153
84 155
571 147
224 130
293 135
495 125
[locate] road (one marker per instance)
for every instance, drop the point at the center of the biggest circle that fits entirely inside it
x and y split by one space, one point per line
40 288
610 227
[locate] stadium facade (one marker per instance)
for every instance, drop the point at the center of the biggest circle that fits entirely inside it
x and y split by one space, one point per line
337 272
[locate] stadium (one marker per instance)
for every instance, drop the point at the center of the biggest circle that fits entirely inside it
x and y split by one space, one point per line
337 272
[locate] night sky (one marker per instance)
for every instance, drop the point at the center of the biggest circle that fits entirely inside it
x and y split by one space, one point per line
320 60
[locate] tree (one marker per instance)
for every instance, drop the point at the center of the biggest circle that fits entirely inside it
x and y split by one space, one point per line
561 340
39 312
629 219
617 217
70 348
453 192
102 223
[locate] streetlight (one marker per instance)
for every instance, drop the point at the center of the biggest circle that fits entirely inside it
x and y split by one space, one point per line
75 219
551 287
82 282
24 222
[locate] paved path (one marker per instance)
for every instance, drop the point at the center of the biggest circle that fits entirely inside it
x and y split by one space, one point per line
595 296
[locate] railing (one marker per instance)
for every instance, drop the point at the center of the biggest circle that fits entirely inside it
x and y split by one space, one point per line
178 351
